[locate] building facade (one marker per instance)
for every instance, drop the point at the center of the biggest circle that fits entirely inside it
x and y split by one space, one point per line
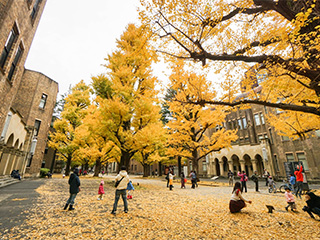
27 97
259 147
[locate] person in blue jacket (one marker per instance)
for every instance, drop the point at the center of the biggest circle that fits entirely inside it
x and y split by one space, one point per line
292 182
74 189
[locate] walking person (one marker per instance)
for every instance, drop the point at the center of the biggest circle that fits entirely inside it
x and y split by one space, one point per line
167 178
101 190
243 180
237 202
193 179
299 180
182 176
121 190
290 200
272 185
266 175
74 189
171 176
196 179
230 177
255 179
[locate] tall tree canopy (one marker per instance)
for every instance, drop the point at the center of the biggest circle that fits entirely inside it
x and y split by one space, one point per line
127 92
190 123
279 38
75 109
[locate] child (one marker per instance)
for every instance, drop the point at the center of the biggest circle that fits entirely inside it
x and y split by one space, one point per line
290 200
130 188
101 190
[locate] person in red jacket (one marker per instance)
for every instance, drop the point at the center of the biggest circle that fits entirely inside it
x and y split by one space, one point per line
299 180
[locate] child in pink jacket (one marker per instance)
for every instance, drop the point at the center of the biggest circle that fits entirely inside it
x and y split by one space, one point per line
290 200
101 190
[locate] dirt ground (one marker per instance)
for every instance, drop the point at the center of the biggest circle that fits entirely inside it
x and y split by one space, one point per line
157 213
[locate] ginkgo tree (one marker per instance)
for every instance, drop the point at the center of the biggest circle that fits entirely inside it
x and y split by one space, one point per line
75 109
279 38
94 146
127 92
188 129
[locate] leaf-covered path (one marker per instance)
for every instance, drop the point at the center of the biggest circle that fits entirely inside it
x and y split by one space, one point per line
157 213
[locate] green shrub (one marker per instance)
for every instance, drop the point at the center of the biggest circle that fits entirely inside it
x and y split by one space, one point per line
43 172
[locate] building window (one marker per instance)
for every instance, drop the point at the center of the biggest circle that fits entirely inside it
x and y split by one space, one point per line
37 124
239 123
131 167
244 121
260 137
271 138
35 9
43 101
265 136
46 150
135 167
13 35
204 166
285 138
262 118
15 62
257 119
302 158
317 133
246 139
289 157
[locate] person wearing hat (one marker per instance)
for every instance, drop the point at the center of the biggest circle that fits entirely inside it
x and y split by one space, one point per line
74 189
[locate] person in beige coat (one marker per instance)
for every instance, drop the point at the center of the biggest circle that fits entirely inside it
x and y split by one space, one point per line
121 190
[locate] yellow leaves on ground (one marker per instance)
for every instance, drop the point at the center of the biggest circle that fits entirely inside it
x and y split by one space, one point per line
157 213
19 199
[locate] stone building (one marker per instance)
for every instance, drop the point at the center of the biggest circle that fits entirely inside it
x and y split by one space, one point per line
27 97
259 147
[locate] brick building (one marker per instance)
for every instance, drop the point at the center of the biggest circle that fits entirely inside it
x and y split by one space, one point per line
27 97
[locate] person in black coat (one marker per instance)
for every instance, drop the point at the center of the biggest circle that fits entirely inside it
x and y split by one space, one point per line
74 183
313 202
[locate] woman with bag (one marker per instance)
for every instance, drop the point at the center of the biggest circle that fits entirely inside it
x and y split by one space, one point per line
122 180
243 180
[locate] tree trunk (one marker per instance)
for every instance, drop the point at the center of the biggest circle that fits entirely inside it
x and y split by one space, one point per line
179 166
195 166
97 168
160 169
125 160
68 165
146 170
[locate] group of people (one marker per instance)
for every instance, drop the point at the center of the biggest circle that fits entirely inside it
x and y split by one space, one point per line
237 201
123 185
183 179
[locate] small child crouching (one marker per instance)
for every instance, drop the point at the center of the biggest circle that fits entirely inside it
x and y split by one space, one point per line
130 188
101 190
290 200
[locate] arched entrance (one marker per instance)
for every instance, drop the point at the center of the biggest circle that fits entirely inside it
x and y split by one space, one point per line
260 165
236 163
217 165
225 165
248 165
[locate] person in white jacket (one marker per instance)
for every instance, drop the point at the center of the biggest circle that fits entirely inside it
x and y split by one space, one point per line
121 190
